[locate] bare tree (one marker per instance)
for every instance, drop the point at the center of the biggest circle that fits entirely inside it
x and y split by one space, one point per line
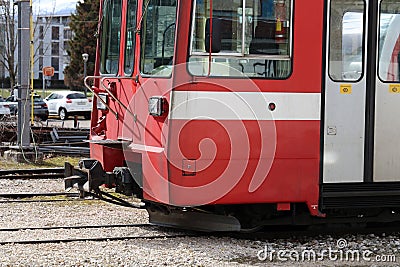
8 41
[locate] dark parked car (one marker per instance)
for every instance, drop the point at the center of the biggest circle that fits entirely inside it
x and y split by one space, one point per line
13 104
40 109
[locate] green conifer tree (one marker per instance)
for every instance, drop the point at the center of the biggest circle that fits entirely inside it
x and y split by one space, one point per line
84 26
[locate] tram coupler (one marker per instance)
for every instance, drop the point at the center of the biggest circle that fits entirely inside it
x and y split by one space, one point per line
90 175
87 177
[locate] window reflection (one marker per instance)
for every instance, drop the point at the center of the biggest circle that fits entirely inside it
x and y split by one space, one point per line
254 38
346 43
130 37
389 41
110 36
158 37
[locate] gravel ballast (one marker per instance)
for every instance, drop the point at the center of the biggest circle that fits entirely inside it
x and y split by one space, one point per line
202 250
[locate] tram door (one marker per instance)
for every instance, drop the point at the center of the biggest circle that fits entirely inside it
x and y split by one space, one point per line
362 92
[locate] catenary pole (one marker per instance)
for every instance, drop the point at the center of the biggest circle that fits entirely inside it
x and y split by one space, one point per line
24 40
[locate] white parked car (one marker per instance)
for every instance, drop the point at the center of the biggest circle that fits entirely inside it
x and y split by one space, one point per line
4 108
66 103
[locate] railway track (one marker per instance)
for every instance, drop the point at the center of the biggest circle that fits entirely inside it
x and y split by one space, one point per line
50 173
40 200
34 175
91 239
96 239
31 195
144 225
39 197
42 173
33 235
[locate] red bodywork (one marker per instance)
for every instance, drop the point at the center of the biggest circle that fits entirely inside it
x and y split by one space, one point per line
294 173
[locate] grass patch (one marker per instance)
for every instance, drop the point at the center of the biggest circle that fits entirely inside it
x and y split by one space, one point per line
64 201
48 162
39 198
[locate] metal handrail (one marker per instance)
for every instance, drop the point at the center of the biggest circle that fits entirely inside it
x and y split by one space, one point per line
96 95
112 95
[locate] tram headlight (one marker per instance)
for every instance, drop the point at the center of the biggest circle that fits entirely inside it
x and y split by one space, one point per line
156 105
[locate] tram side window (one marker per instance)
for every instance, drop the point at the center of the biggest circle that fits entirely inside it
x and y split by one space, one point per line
130 37
389 41
110 36
346 43
158 37
251 38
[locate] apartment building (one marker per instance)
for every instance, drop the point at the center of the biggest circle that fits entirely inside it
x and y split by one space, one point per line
51 43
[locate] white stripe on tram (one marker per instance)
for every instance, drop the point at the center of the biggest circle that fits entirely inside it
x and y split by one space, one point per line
197 105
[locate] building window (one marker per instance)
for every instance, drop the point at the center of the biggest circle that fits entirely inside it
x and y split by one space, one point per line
55 33
41 48
40 63
67 33
55 63
110 37
66 46
55 49
41 32
65 21
158 38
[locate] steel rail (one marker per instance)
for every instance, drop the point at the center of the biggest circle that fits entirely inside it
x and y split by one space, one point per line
32 177
71 144
98 239
30 195
32 171
77 227
42 200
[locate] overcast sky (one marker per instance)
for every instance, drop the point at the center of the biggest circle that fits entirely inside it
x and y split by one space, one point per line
50 6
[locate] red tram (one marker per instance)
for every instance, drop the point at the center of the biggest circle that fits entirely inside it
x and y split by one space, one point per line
230 115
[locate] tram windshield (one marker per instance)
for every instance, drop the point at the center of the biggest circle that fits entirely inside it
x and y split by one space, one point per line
158 37
130 37
253 38
110 37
